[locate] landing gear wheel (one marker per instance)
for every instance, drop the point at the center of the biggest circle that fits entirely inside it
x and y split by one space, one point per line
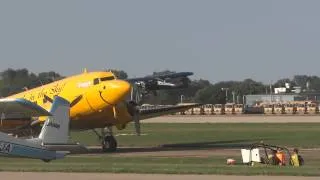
109 144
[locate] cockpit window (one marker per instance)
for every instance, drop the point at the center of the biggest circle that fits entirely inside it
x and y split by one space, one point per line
96 81
107 78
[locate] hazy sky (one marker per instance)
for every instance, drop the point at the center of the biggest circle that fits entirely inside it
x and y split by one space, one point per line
216 39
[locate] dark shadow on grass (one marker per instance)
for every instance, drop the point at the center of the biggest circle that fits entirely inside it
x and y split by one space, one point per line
234 144
216 144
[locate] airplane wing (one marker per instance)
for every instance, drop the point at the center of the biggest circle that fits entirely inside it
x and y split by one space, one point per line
158 111
175 75
164 76
150 112
18 108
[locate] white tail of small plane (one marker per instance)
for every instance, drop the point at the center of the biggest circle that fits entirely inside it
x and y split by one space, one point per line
55 130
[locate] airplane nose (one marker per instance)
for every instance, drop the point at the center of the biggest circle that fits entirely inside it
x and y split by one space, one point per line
115 91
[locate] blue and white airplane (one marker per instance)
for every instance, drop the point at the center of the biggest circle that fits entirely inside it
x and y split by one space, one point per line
54 131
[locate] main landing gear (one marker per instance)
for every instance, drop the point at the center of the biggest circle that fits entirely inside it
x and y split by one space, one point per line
108 142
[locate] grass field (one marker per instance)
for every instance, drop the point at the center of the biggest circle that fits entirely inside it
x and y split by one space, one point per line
186 137
206 135
104 163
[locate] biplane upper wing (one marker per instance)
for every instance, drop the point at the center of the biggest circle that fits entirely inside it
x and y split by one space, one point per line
162 76
19 108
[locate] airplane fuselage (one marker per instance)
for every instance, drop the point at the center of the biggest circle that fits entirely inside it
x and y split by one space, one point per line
96 99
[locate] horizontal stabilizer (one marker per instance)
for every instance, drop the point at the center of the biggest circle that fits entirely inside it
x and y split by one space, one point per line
61 154
70 148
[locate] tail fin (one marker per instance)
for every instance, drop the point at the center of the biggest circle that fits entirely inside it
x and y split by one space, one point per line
55 130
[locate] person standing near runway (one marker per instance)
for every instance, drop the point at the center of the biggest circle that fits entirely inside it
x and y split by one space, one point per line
296 159
281 157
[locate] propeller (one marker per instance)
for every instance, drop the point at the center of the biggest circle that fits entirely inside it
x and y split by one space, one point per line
136 121
134 112
136 91
114 109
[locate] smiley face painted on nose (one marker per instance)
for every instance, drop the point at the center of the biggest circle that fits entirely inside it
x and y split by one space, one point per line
112 92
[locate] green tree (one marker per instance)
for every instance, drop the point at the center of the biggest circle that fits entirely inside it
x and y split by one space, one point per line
301 80
15 81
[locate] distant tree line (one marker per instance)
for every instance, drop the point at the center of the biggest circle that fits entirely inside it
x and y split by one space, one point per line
14 81
201 91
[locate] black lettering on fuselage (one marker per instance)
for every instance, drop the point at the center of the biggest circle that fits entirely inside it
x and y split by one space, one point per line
6 147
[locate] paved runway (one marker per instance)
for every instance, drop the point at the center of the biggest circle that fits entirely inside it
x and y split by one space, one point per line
104 176
235 119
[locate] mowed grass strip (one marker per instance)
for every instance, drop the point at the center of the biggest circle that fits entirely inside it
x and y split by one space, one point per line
206 135
185 137
105 163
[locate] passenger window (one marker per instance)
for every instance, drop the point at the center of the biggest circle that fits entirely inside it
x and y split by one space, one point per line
95 81
107 78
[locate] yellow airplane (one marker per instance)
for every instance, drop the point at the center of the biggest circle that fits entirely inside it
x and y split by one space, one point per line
97 100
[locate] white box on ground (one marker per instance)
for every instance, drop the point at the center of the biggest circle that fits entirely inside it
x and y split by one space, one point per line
250 155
